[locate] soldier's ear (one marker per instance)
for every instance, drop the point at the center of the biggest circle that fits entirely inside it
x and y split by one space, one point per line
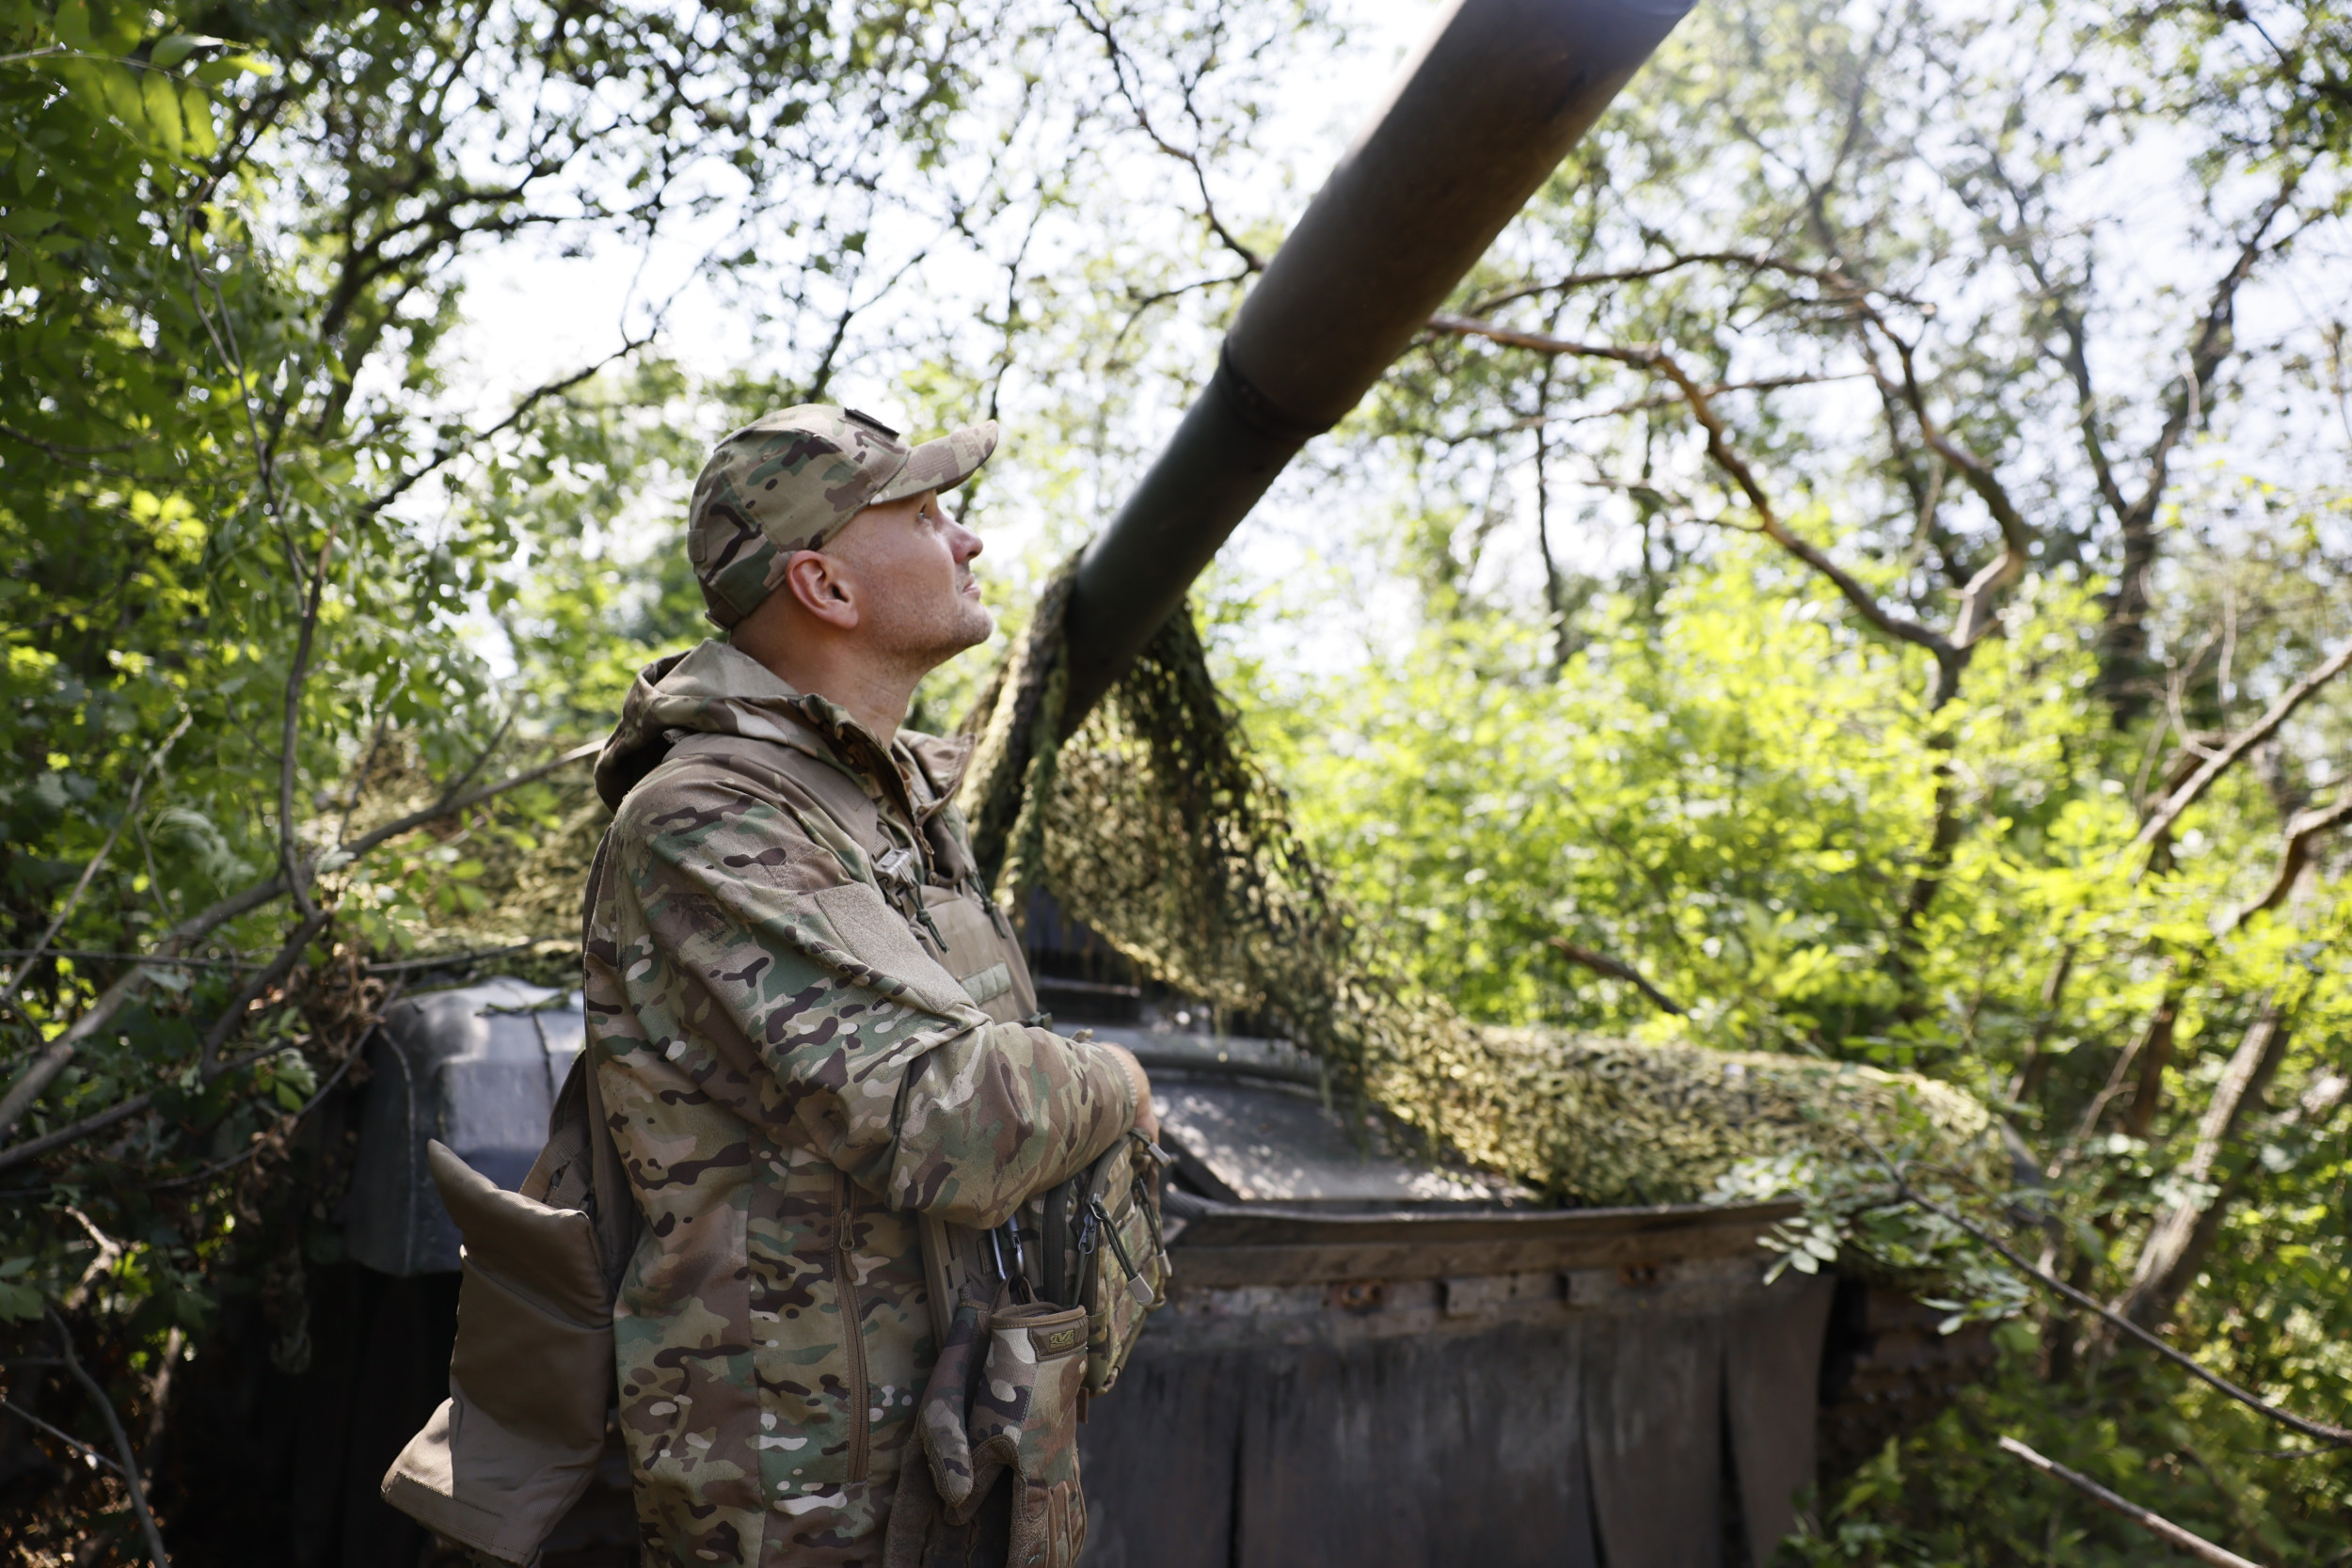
820 585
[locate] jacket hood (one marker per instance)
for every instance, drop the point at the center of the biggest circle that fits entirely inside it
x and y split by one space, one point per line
715 688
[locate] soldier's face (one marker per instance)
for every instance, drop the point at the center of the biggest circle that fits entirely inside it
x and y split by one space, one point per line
911 566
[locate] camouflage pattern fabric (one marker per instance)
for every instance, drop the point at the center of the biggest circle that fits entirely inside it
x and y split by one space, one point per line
792 480
1004 1397
794 1067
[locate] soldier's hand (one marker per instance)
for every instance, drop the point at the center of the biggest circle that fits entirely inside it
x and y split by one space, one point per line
1147 1114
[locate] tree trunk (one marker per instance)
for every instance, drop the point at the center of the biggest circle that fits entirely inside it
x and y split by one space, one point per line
2178 1242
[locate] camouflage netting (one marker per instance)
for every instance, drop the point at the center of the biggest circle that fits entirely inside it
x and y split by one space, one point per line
1153 825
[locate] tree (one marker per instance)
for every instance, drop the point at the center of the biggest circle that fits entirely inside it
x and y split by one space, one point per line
305 632
1878 525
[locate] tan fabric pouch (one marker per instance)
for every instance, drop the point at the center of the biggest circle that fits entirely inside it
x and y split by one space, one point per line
519 1439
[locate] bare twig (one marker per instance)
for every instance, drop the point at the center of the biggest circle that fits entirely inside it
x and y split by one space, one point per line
2322 1431
449 450
2154 1524
129 1465
67 1438
1601 963
1837 282
1100 26
2161 820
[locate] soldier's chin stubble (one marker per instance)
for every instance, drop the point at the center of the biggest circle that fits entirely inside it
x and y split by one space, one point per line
930 641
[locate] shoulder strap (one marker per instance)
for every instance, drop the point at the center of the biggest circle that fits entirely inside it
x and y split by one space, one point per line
612 1206
579 1168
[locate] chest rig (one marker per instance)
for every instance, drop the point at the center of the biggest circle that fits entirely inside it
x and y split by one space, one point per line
892 825
1036 1317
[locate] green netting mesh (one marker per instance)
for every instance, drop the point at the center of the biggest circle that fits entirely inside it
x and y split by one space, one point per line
1153 825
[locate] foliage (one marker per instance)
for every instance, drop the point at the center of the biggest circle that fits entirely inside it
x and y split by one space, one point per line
1877 596
1896 452
289 576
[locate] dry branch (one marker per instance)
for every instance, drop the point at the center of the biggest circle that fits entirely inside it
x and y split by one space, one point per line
2261 729
54 1058
130 1464
1601 963
2157 1524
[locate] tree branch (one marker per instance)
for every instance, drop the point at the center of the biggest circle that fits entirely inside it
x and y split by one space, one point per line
449 807
1601 963
2322 1431
1947 656
291 866
1975 599
1100 27
1828 277
2154 1524
139 784
52 1058
2303 832
2238 745
2156 1279
448 451
130 1465
67 1438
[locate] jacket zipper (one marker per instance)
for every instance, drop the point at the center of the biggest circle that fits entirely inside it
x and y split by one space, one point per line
852 1327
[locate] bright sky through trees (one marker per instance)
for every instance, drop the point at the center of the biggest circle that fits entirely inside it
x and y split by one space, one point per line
1858 572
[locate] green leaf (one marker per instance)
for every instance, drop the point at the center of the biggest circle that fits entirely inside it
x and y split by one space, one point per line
196 110
176 47
73 24
159 104
19 1303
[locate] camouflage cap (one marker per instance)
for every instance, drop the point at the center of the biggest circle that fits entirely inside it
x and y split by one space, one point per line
792 480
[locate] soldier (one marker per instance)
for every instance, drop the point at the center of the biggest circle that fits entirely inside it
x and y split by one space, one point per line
809 1024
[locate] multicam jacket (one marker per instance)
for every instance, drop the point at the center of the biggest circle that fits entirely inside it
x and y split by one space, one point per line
805 1020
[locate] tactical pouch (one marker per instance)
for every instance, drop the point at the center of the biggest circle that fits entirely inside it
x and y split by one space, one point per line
530 1380
1104 1250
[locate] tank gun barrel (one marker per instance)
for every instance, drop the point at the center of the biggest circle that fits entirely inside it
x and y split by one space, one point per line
1478 121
